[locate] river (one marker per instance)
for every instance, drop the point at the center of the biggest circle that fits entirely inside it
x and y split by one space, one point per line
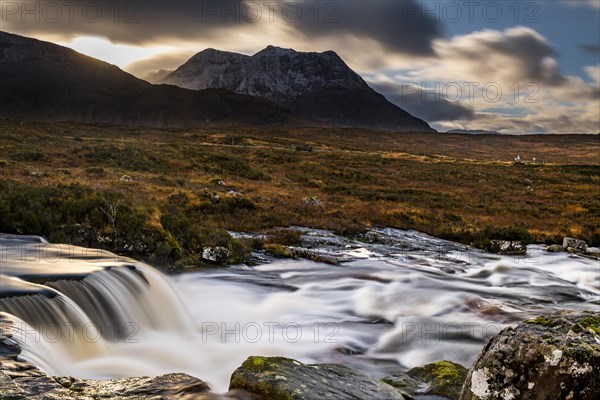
398 300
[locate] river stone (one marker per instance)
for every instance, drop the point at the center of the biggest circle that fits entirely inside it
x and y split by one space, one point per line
215 255
549 357
508 247
441 378
555 248
279 378
574 245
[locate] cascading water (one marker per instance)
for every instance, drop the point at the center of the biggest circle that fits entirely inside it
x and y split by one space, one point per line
406 301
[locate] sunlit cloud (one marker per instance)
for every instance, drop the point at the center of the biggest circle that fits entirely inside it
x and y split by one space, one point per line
117 54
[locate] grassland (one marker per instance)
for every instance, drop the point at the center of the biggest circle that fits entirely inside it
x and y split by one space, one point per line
169 193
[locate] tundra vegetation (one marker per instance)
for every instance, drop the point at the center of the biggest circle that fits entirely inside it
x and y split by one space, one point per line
164 195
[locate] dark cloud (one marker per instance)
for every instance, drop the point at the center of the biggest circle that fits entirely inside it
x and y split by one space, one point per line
429 106
591 48
518 54
135 22
400 26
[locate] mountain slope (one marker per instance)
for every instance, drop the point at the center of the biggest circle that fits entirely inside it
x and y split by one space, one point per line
46 82
315 85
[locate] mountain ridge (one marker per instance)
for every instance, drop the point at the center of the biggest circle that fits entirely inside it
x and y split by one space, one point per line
315 85
43 81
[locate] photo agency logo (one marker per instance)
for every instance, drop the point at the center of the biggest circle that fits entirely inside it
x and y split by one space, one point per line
72 332
436 332
404 12
489 12
469 92
15 252
59 12
271 332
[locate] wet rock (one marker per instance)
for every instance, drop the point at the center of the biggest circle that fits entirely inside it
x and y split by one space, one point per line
442 378
508 247
278 378
555 248
316 256
169 386
549 357
574 245
215 255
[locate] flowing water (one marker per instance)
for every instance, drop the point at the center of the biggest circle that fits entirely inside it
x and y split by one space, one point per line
397 301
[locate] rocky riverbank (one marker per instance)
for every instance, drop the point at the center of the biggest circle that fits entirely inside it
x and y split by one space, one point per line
554 356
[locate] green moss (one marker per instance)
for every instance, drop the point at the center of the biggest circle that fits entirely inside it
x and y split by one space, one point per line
277 250
257 361
591 324
444 378
443 370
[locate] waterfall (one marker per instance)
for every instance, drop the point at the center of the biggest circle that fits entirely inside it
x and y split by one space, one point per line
92 314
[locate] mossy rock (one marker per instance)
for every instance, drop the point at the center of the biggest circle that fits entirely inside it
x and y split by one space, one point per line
441 378
549 357
279 378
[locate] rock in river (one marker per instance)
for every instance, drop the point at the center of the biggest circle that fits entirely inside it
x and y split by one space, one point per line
574 245
215 255
548 357
279 378
441 378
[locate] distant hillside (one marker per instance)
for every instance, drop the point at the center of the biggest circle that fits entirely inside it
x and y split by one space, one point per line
319 86
474 132
46 82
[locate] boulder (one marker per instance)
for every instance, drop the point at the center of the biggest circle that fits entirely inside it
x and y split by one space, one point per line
549 357
215 255
508 247
555 248
442 378
574 245
278 378
164 387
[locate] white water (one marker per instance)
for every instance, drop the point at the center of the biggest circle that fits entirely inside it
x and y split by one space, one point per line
386 311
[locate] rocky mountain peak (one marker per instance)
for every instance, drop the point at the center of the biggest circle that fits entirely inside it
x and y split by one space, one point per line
316 85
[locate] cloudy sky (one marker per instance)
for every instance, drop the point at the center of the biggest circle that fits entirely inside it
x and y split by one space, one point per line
511 66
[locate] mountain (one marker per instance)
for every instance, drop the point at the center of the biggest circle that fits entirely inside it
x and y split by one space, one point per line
156 76
45 82
473 132
319 86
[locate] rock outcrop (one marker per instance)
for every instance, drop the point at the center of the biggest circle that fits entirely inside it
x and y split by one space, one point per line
549 357
278 378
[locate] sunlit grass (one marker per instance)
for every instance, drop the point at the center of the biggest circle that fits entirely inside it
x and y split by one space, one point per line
192 185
